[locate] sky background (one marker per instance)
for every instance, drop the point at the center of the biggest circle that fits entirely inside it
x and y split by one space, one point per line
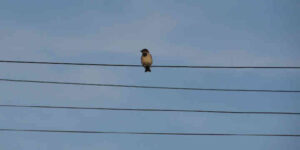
190 32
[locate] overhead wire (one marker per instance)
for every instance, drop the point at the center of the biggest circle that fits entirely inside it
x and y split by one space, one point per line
157 66
148 109
146 133
149 87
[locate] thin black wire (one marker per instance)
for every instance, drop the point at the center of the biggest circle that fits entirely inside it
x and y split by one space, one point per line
149 109
147 87
158 66
146 133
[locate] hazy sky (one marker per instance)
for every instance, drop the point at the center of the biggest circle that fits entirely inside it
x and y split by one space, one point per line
189 32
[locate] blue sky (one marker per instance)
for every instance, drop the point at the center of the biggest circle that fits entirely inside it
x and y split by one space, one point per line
190 32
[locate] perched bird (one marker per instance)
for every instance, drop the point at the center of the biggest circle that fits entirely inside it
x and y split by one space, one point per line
146 60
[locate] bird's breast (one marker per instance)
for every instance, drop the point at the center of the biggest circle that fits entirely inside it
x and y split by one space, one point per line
147 60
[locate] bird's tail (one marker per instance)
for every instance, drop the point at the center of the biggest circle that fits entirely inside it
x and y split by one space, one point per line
147 69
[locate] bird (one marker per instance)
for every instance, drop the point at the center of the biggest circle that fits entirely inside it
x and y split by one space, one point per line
146 59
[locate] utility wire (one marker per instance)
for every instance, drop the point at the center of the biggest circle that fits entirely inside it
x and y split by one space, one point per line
147 133
148 109
147 87
158 66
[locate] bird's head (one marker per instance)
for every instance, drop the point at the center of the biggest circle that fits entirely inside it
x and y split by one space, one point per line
144 50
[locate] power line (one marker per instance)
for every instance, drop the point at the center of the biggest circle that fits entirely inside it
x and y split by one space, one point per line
158 66
149 109
148 87
146 133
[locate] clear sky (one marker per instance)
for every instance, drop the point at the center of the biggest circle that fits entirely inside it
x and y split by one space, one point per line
189 32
